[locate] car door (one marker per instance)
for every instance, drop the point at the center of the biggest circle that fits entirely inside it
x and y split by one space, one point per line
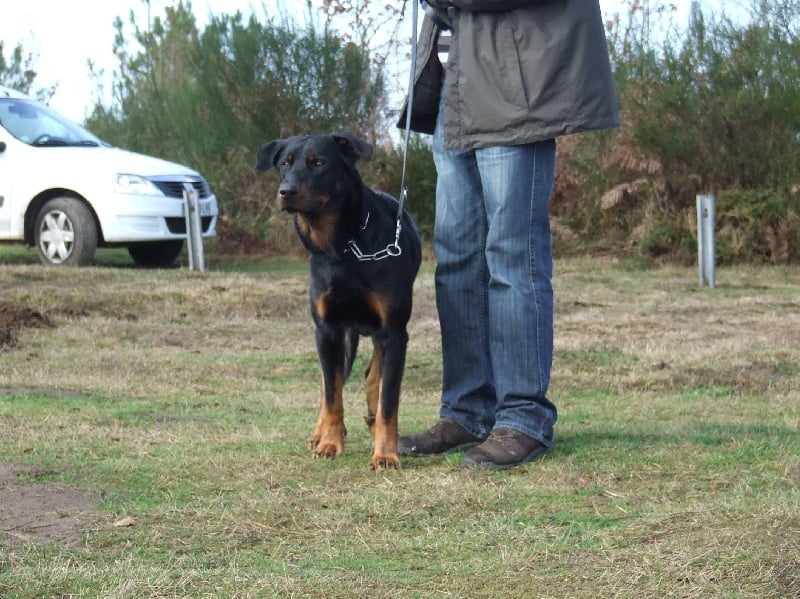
12 175
5 186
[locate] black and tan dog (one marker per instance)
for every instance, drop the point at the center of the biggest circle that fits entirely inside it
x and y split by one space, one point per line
334 209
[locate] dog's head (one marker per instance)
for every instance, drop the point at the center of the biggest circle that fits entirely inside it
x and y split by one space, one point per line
313 168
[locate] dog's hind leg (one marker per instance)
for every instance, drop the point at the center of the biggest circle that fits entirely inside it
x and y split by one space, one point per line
350 350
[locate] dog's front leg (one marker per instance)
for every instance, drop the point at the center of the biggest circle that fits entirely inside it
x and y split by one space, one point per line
391 361
328 438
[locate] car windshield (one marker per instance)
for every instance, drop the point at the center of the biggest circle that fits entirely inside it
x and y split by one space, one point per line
37 125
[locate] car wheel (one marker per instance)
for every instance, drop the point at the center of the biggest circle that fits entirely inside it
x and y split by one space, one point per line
156 254
65 233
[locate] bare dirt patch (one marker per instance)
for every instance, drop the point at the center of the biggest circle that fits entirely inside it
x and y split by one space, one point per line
42 512
14 317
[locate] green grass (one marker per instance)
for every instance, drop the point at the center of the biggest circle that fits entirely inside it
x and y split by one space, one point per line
183 401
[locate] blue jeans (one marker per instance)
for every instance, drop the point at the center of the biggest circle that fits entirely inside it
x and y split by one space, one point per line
493 289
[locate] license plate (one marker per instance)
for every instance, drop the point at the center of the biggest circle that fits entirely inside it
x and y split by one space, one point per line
204 208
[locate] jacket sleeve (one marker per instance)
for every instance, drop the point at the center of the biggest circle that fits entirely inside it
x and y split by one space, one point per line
491 5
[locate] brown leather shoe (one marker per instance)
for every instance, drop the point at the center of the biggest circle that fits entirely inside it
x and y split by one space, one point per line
504 448
443 437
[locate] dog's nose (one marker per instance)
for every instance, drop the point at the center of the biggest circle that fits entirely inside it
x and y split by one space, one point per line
287 190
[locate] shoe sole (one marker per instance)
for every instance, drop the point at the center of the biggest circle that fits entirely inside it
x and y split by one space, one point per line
457 448
491 466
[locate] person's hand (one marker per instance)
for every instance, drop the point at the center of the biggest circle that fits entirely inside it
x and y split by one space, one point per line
437 11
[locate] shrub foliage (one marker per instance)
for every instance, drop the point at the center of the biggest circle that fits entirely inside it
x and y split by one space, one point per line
712 108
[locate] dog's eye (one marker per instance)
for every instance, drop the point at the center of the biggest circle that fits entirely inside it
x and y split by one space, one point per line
315 162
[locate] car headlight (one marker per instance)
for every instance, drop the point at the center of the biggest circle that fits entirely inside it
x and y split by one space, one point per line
135 185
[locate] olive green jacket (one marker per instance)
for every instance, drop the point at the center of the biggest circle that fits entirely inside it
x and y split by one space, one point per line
518 71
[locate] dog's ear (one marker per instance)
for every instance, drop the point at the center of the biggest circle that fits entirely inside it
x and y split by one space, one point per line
268 154
352 147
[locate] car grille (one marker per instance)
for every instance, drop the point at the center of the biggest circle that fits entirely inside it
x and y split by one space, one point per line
177 225
174 189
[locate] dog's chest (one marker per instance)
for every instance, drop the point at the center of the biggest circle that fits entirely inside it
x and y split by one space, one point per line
346 303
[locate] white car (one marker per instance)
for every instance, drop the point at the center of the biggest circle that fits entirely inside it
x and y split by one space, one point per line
67 192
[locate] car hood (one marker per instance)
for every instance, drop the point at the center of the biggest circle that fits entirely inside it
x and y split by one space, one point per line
104 160
125 161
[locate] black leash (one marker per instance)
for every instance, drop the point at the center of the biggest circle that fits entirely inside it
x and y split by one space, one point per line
393 249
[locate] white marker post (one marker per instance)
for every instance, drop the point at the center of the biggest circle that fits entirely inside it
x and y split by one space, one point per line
705 239
194 231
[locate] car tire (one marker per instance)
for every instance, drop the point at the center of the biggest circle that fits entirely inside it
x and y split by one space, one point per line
65 233
156 254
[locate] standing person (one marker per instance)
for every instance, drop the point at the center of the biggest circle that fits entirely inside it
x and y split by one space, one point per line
519 73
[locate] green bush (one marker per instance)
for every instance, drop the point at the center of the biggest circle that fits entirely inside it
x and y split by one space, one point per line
758 226
721 105
210 99
713 108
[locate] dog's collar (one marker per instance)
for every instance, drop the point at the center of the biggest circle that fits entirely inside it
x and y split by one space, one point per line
352 245
390 251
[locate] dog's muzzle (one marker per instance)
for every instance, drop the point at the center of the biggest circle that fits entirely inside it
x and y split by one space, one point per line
287 193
